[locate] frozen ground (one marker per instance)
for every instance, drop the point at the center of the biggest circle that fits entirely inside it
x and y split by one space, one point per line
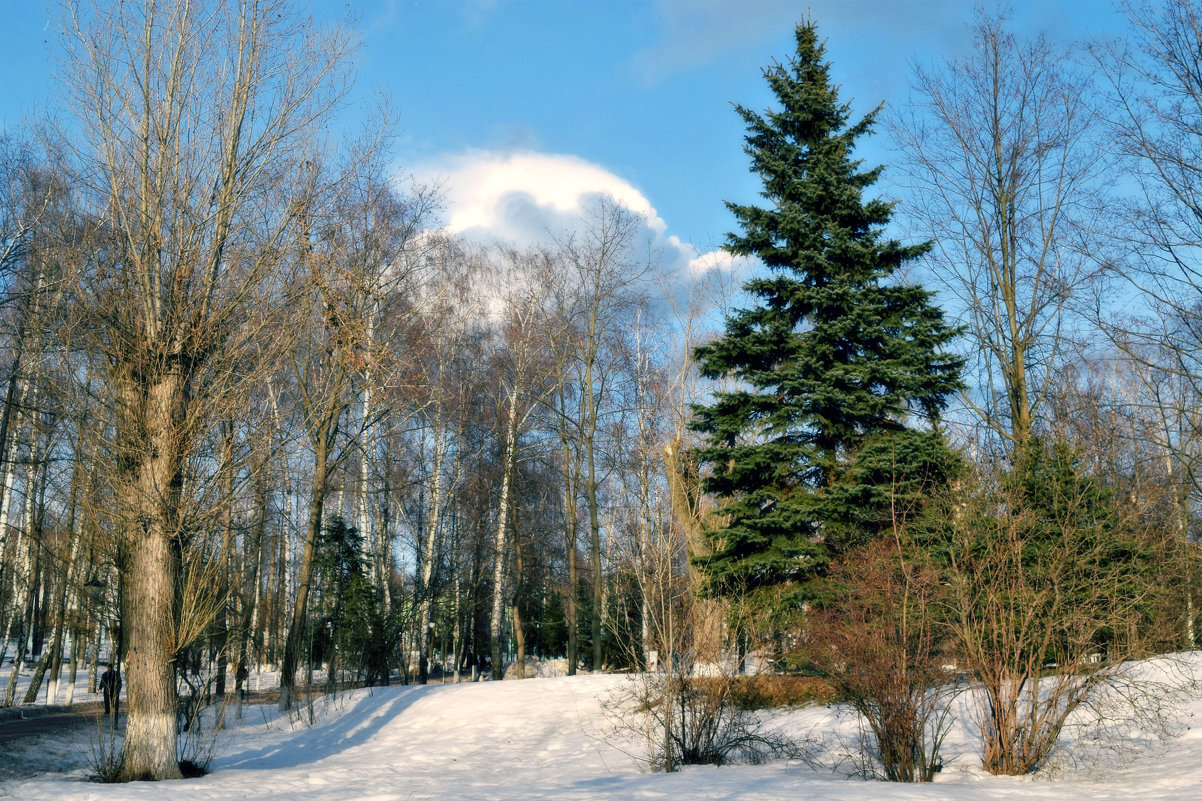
546 738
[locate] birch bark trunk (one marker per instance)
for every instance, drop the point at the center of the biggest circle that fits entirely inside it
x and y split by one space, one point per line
501 538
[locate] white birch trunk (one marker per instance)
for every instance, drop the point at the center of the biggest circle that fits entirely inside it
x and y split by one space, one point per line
430 541
367 541
369 549
22 577
500 542
20 599
6 491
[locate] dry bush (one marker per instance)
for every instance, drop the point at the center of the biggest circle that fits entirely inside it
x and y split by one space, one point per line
695 720
200 724
1139 709
770 691
105 757
1054 583
691 707
880 648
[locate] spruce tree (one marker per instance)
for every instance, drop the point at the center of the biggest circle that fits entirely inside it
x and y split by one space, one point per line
834 365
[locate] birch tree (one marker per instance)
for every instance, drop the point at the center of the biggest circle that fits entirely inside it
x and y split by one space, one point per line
441 381
606 268
1154 102
523 368
345 249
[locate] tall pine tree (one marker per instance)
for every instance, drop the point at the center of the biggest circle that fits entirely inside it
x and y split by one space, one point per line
815 448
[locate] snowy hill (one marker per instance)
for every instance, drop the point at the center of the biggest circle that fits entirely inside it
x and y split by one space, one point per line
543 739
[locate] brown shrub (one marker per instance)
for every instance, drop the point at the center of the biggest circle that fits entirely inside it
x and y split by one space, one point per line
771 691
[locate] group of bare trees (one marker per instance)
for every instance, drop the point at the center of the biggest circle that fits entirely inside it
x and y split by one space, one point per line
254 403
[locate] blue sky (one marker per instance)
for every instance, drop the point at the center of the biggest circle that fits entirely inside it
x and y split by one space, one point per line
551 100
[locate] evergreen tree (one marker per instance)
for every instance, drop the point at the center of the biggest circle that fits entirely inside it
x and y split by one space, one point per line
833 363
350 633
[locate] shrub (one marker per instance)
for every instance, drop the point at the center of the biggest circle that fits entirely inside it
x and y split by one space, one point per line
880 649
769 691
691 720
1054 581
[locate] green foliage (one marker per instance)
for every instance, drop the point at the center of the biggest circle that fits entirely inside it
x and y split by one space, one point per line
831 363
1083 555
351 629
546 626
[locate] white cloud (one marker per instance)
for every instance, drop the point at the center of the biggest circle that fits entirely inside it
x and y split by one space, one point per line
507 194
524 198
722 261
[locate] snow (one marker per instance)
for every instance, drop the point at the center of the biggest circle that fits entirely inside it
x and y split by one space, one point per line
550 738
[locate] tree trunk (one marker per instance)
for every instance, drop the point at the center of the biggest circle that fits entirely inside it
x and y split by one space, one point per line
221 637
595 557
52 657
33 517
457 637
7 473
94 659
23 606
39 675
429 552
16 392
384 553
570 536
370 550
150 574
77 643
519 635
251 589
296 630
589 438
10 694
500 542
24 584
72 572
149 749
519 641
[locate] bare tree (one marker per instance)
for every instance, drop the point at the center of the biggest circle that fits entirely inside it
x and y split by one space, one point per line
558 315
606 266
345 247
1002 157
394 248
440 391
1155 101
188 117
46 239
523 368
35 200
27 190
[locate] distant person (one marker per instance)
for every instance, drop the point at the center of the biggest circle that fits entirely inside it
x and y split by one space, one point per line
110 686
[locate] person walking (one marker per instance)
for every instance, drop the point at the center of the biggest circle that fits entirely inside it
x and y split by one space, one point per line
110 686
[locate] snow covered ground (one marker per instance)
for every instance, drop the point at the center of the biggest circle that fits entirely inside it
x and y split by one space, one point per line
549 738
